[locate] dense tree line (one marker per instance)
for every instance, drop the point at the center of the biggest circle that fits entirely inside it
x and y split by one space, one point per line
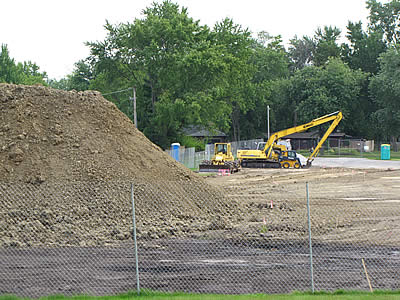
186 73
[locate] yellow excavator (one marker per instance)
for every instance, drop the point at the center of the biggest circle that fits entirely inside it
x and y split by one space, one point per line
222 160
272 155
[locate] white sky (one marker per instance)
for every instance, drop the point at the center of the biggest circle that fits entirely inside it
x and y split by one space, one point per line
52 33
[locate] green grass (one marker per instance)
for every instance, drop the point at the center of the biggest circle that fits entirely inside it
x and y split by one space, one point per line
377 155
338 295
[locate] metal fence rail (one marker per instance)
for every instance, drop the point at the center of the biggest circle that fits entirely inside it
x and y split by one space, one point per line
78 237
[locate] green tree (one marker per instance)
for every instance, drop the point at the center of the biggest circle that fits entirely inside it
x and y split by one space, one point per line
235 44
316 50
316 91
8 68
19 73
326 44
270 63
185 73
385 18
301 52
364 48
149 54
385 90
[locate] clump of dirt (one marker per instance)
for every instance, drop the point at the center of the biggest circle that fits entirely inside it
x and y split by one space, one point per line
66 163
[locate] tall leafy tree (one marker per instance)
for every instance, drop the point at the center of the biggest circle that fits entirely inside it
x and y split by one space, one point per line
301 52
270 63
316 91
385 18
148 54
326 45
235 44
185 73
385 89
19 73
364 48
316 50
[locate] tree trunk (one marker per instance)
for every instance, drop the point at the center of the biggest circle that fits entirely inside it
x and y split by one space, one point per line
393 141
153 97
235 124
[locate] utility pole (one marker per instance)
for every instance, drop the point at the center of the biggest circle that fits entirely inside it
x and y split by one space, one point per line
268 120
134 107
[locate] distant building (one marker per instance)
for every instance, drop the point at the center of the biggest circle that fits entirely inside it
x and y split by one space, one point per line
309 139
303 140
199 132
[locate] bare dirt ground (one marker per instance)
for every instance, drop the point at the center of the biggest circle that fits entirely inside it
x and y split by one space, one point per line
347 205
200 266
355 215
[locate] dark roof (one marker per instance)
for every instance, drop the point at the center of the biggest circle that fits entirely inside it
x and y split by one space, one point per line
199 131
340 135
303 135
310 135
315 135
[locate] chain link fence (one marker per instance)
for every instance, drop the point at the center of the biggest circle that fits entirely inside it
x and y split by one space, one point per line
239 237
346 147
192 159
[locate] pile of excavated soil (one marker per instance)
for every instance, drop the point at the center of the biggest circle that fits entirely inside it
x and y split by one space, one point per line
48 134
66 163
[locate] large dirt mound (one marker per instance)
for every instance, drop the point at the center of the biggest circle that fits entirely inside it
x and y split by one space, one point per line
67 162
48 134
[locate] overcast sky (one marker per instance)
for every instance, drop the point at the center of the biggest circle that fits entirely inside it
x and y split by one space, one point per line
52 33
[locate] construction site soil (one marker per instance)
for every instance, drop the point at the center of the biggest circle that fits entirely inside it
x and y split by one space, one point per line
346 205
67 162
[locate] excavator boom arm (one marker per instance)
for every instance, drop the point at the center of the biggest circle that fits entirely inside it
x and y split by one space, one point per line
335 123
335 117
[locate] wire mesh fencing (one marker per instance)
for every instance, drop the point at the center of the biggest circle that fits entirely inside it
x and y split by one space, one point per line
65 238
225 236
192 159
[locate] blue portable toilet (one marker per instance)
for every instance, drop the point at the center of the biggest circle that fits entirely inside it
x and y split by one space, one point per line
175 150
385 151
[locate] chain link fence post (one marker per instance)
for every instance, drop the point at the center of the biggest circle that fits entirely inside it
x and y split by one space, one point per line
309 239
135 240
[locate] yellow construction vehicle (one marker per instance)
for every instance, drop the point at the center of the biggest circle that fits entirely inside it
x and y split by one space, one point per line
222 160
272 155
